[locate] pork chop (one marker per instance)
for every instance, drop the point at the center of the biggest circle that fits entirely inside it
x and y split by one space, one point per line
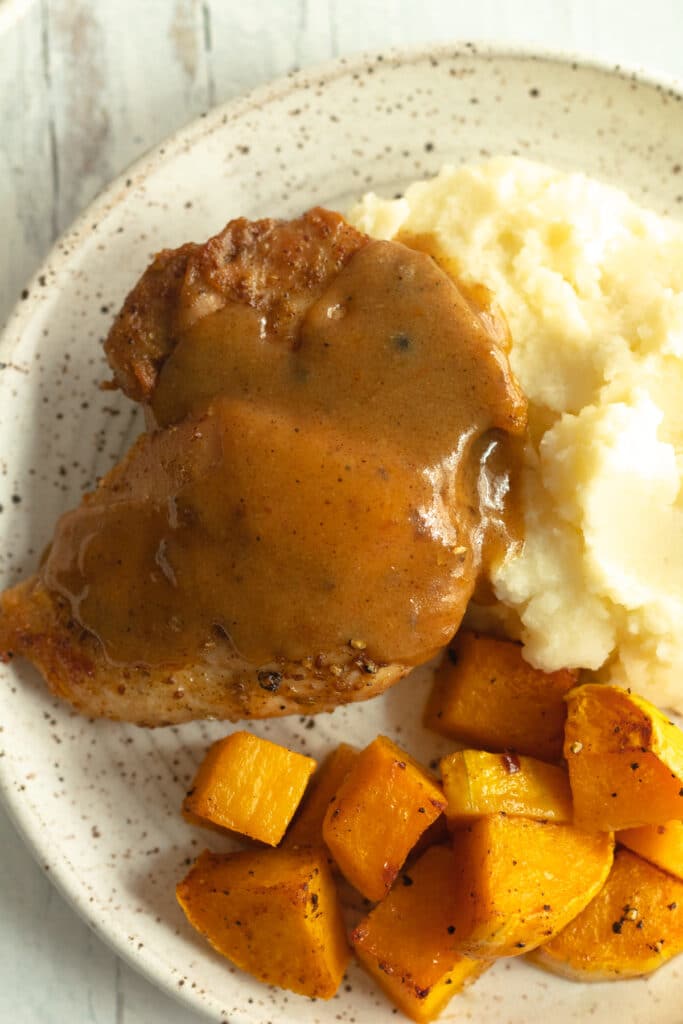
326 473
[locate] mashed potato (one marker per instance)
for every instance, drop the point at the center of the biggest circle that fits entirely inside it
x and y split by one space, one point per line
592 287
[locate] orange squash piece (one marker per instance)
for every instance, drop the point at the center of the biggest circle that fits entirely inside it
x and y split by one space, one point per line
660 844
477 783
632 927
486 695
307 827
381 809
407 943
274 913
625 760
518 882
249 785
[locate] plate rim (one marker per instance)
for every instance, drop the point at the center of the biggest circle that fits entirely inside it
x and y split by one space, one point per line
115 192
329 70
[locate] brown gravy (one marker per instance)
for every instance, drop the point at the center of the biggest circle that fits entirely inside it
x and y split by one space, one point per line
298 498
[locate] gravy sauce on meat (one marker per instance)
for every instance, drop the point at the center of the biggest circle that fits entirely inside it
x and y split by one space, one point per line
346 485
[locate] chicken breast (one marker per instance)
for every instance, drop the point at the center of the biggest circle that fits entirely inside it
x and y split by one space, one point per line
326 473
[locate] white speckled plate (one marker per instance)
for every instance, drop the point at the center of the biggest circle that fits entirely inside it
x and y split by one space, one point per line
98 802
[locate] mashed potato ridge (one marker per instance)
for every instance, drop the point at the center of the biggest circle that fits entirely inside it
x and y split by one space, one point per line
592 287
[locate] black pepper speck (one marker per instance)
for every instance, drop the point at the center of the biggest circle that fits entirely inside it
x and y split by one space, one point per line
270 680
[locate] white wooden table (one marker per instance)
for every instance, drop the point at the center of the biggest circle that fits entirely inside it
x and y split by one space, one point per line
86 86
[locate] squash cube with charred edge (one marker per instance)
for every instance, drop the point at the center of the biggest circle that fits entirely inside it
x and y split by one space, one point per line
477 783
632 927
408 942
486 695
385 803
249 785
625 760
307 827
274 913
660 844
518 882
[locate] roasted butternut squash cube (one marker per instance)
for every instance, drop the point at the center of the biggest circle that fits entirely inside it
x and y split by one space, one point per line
408 945
486 695
518 882
660 844
307 827
249 785
477 783
274 913
625 760
385 803
632 927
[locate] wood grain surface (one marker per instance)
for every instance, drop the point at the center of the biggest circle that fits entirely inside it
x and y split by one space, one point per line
87 86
